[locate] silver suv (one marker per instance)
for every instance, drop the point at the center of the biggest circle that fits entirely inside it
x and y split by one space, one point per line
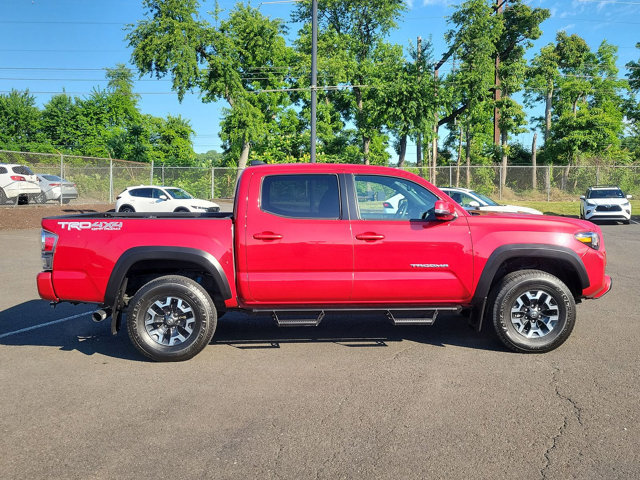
17 182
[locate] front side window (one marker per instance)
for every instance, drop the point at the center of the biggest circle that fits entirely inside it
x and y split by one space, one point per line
178 194
301 196
392 198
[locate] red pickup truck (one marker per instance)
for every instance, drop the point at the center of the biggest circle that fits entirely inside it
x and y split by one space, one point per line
306 239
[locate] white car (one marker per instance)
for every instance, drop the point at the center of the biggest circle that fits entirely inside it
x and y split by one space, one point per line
476 202
150 198
605 203
17 181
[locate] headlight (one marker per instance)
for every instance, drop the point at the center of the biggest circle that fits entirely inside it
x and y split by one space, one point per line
591 204
625 204
589 238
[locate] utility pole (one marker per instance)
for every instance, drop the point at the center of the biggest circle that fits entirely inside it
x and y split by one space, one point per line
419 134
497 94
314 77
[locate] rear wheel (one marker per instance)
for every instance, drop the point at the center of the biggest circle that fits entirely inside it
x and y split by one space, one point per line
3 196
171 319
533 311
126 209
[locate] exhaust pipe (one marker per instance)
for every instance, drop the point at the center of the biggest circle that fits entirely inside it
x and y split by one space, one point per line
100 315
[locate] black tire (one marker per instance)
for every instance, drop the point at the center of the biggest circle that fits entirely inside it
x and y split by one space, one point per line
3 197
532 311
23 199
181 210
182 308
126 209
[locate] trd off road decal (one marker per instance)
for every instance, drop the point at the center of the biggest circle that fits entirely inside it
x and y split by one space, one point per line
93 226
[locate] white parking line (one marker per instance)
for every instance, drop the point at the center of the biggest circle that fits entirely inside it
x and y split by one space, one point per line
634 221
22 330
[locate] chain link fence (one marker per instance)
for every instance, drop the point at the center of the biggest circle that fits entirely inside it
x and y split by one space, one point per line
100 180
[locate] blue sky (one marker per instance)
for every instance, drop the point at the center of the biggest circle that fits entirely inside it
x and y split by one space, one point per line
50 45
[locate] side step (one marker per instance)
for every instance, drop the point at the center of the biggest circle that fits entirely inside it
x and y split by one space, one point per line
302 319
427 317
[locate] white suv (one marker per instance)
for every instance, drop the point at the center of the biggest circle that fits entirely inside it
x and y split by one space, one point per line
17 181
150 198
605 203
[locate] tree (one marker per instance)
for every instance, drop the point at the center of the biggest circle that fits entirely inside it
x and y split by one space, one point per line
234 60
19 121
351 41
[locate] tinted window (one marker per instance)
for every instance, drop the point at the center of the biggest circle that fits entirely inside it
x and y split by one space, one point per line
141 192
22 170
392 198
3 170
301 196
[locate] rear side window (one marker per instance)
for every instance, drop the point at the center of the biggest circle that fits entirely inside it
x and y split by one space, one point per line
3 170
301 196
22 170
141 192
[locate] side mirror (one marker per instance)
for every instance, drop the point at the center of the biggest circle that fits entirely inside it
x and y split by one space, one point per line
474 204
444 211
582 197
629 197
163 197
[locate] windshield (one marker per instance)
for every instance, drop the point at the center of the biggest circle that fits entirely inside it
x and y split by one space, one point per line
486 199
178 193
608 193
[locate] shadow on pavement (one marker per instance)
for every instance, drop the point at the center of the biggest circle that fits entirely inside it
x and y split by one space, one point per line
354 330
69 328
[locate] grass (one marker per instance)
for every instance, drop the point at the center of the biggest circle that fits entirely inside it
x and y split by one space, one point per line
566 208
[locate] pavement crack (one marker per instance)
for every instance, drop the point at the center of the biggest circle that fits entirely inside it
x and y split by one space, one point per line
576 413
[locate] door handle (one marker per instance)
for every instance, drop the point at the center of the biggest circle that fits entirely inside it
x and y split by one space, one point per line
369 237
267 236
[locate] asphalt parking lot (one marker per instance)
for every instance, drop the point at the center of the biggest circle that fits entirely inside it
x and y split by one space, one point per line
352 398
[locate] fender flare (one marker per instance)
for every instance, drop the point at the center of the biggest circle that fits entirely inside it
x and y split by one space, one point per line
507 252
208 262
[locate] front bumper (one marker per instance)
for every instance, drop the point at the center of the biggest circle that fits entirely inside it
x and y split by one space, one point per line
608 284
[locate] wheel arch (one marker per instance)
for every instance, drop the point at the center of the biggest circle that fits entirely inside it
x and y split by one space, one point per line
144 261
559 261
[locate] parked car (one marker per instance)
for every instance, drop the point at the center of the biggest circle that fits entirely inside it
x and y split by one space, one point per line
605 203
473 201
52 187
17 181
150 198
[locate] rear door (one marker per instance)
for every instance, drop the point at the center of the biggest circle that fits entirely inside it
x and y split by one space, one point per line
298 243
401 257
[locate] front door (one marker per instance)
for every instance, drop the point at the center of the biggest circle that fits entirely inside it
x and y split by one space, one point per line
299 248
402 254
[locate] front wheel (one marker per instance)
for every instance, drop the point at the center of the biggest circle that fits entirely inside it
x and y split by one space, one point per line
533 311
171 319
126 209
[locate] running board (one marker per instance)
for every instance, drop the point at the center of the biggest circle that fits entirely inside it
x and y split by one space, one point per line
397 316
301 320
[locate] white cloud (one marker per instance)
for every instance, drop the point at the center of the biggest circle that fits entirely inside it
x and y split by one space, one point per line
435 2
568 27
